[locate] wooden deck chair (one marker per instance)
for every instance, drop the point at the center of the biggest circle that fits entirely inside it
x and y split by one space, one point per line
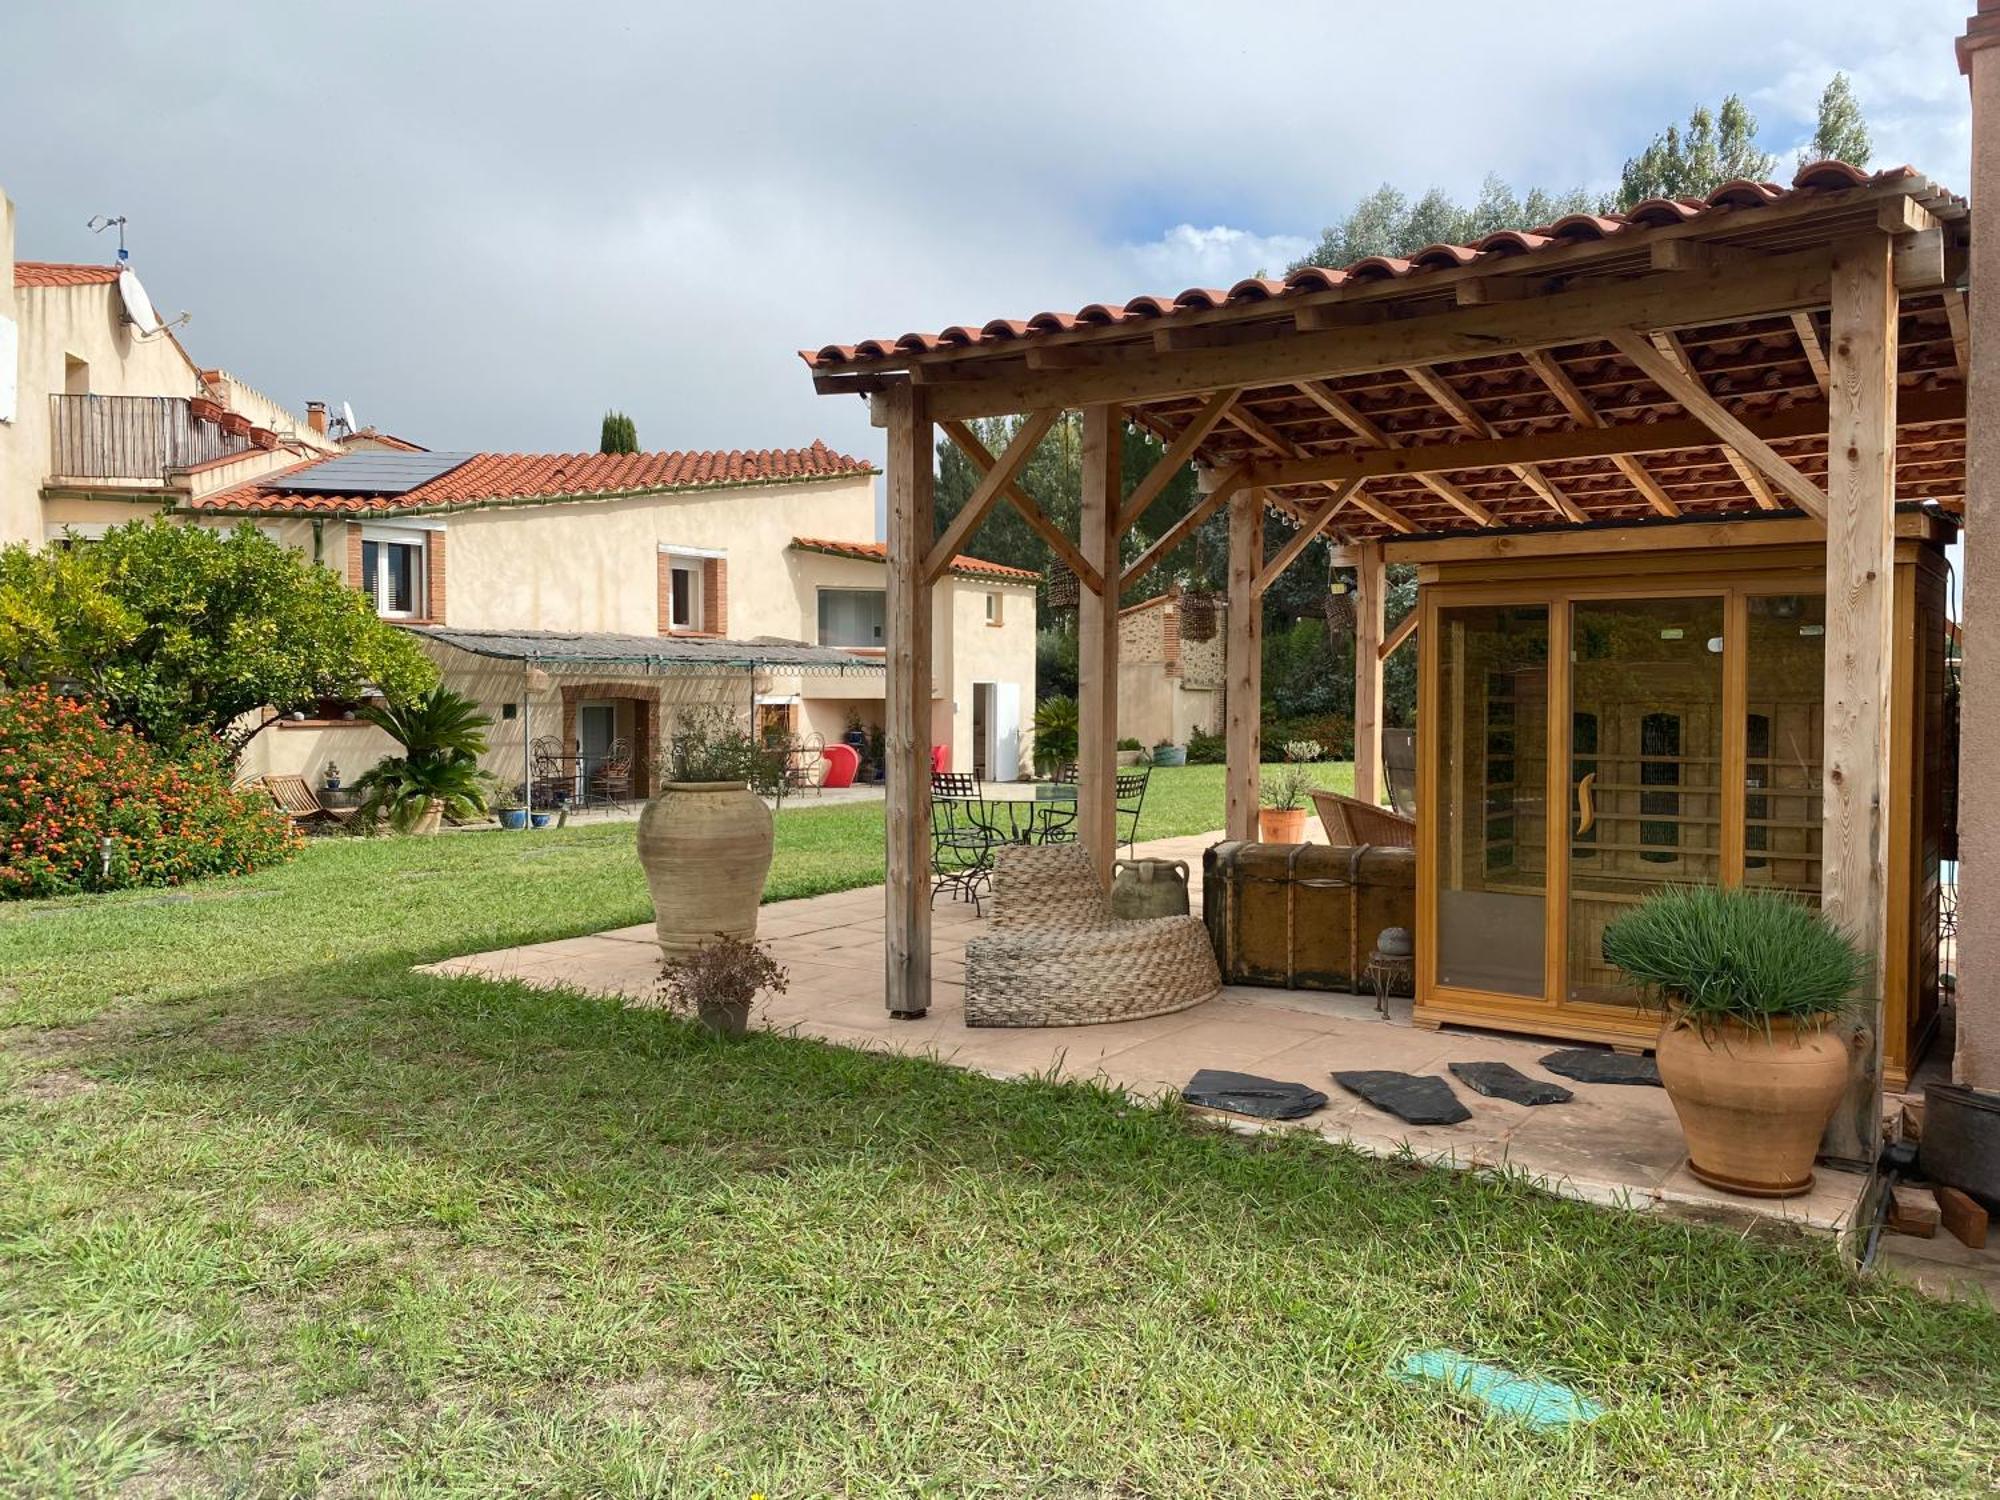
1349 823
297 800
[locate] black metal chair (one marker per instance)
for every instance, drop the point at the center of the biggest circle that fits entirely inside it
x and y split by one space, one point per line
554 783
1056 820
962 843
1131 797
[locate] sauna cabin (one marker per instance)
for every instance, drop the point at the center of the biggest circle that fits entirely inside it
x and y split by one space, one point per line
1617 711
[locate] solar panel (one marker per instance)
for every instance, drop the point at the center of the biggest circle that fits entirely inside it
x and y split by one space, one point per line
370 473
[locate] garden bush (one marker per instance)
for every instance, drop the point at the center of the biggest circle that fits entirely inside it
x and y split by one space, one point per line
1207 749
69 780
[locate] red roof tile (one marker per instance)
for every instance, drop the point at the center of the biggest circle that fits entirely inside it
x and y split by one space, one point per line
486 477
1513 245
54 273
879 552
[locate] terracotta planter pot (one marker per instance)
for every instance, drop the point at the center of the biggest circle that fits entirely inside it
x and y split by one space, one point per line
264 438
204 410
235 423
1753 1106
1281 825
430 820
706 848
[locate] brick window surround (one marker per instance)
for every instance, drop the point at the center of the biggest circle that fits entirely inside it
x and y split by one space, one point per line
435 573
714 612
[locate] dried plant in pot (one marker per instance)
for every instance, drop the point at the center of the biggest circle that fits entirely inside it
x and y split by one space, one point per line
1752 981
705 838
719 982
1282 818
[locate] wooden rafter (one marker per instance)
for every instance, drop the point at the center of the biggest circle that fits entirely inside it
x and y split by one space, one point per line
1297 543
1556 378
1802 325
1339 407
1467 416
1670 345
1400 632
982 459
1961 329
1179 452
1227 485
986 494
1726 425
1278 443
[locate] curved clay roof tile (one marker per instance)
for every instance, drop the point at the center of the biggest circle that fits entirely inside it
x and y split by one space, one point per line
829 354
1003 328
1314 279
1256 289
1511 242
1149 307
1442 257
1583 227
1656 212
1830 174
1201 297
1102 313
1052 322
1378 268
1743 193
959 335
916 343
875 348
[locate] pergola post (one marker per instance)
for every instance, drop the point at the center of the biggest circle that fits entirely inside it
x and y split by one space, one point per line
1243 662
1976 1063
1097 640
1368 623
907 708
1860 630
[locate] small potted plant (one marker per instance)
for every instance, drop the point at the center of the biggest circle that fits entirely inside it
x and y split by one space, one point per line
1130 753
1167 753
506 804
1751 980
718 982
1282 818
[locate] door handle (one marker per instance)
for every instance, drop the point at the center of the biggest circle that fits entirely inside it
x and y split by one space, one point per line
1586 808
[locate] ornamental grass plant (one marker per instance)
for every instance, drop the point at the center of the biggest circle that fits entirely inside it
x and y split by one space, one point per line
1750 955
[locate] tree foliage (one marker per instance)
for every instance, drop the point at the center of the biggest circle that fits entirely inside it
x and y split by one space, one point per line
1387 222
618 434
181 631
1716 148
1842 135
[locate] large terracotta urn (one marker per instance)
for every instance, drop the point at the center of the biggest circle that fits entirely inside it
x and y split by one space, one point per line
706 848
1753 1105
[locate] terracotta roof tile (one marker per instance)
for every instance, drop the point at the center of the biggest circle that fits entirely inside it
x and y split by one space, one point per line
978 567
55 273
485 477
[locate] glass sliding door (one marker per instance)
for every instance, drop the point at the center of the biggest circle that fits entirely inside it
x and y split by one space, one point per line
1491 832
1645 758
1785 671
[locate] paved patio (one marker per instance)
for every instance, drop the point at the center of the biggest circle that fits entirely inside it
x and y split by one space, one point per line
1616 1145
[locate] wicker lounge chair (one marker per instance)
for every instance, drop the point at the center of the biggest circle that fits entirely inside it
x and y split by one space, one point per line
1349 823
1057 957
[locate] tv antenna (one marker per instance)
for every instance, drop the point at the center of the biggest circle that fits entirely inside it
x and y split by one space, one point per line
139 311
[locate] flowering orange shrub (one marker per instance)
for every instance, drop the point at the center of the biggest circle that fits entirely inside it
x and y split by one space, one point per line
69 781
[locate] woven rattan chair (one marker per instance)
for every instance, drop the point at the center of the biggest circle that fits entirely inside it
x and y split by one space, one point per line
1057 957
1349 823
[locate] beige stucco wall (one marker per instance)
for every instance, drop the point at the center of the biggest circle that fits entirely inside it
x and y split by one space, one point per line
1168 688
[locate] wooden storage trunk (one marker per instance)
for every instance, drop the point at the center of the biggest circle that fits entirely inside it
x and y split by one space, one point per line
1303 916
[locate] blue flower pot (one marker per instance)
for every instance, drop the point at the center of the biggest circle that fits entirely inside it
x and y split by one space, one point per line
513 817
540 820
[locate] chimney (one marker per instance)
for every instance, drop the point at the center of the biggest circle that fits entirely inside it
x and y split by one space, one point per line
316 416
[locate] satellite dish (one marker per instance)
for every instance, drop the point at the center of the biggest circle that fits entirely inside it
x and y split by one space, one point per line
347 416
138 306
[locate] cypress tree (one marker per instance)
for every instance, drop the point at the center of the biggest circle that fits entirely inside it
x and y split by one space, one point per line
618 435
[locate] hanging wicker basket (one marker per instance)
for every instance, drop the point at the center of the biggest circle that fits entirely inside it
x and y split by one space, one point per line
1339 609
1198 615
1060 586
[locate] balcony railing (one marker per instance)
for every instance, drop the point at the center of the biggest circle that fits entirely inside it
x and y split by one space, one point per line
130 437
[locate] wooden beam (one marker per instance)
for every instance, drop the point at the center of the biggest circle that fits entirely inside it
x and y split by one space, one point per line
1915 409
1404 629
1803 326
1276 442
906 930
1961 329
1339 407
1732 429
982 459
1097 643
1669 344
1860 648
1297 543
1774 286
1243 656
1556 378
1467 416
1179 453
1707 541
992 484
1181 530
1369 597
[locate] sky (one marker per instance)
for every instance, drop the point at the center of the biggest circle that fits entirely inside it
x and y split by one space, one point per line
482 226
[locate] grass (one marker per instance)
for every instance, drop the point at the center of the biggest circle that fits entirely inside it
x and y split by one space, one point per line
279 1217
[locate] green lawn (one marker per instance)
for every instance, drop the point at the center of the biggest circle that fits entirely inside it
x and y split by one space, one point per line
277 1217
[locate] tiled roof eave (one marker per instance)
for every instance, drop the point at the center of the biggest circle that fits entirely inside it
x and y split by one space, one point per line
337 504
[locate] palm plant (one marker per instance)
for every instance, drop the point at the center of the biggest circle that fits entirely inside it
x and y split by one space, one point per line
443 735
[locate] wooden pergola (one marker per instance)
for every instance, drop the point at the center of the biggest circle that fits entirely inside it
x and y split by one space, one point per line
1582 386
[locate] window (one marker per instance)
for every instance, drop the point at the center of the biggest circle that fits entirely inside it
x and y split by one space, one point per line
76 376
993 608
392 572
685 612
851 617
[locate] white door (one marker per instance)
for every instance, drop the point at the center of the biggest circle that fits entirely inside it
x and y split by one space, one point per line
1003 758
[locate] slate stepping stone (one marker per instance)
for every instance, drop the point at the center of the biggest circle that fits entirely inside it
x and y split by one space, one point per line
1498 1080
1413 1100
1588 1065
1247 1094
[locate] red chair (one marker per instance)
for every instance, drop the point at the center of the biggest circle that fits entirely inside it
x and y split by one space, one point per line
841 764
940 758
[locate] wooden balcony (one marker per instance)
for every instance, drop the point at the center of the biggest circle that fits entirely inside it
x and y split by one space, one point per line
130 439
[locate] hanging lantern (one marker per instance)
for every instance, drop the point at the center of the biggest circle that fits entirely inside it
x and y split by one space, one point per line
1060 586
1198 614
1339 604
